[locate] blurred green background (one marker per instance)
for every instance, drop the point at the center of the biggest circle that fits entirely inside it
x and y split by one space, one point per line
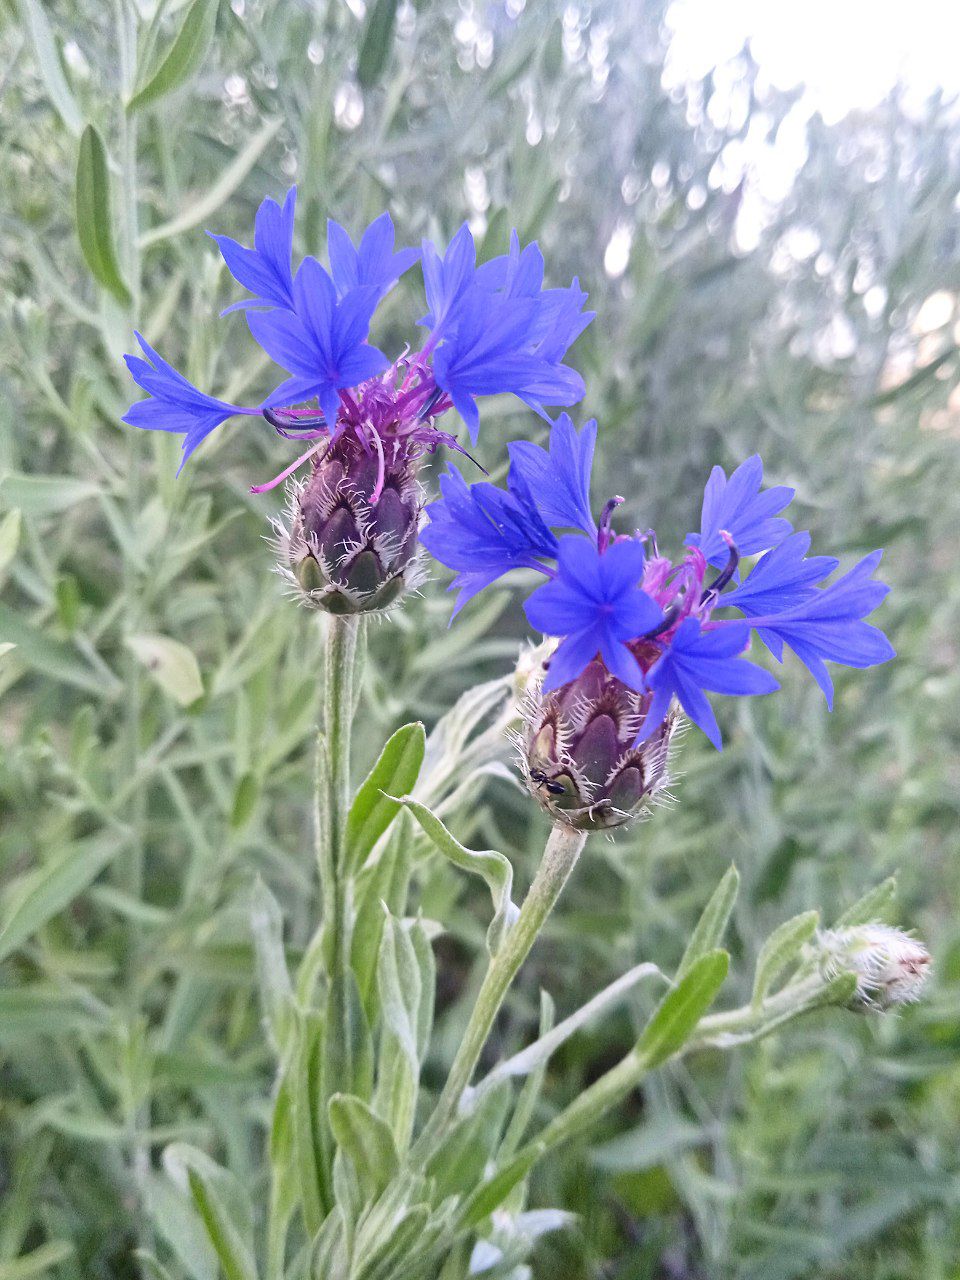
772 272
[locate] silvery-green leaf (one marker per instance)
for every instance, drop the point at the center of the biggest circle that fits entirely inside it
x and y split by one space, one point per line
366 1140
48 60
38 496
223 1204
458 1163
492 1192
538 1053
273 976
236 1259
9 538
30 900
376 42
307 1135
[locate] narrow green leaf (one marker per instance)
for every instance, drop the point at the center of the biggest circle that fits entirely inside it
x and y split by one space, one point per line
398 975
676 1016
348 1054
34 898
245 797
458 1162
366 1140
781 949
171 664
9 538
37 1262
48 61
94 224
199 207
307 1142
42 495
492 866
377 42
713 922
184 57
876 905
273 977
53 658
235 1258
374 807
491 1194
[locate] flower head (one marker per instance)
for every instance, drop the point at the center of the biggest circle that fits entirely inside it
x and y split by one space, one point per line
656 626
891 966
493 329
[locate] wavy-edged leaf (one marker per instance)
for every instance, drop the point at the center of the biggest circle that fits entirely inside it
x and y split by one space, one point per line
374 806
492 866
185 56
94 223
676 1016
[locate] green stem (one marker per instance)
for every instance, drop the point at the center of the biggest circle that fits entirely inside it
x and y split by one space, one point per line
340 675
559 858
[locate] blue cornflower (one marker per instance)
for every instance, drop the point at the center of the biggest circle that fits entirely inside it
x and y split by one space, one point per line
651 621
737 507
560 479
266 268
176 405
373 263
483 532
828 625
596 604
696 660
322 342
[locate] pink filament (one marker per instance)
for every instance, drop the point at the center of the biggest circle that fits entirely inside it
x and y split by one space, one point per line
288 471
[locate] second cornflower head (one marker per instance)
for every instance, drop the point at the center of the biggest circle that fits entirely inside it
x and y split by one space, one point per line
640 636
351 543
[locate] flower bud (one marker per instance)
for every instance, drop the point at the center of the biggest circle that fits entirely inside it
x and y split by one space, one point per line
352 542
891 967
578 754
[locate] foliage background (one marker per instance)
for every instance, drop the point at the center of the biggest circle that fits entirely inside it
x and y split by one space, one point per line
131 826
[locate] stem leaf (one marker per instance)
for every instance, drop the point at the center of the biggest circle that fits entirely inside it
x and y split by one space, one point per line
374 807
492 866
94 225
873 906
171 664
366 1140
713 922
184 57
780 950
229 1246
678 1013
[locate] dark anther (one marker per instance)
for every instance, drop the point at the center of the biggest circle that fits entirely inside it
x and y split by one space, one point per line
291 423
434 396
669 618
727 572
606 516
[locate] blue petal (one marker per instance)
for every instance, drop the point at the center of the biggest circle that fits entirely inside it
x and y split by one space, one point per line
560 479
736 506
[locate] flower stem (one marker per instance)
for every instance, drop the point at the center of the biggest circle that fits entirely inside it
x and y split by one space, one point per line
334 777
559 858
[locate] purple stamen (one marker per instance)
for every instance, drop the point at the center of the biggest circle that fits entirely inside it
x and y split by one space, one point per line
288 471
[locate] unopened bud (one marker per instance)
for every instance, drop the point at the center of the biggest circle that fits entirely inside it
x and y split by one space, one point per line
578 754
351 545
891 967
